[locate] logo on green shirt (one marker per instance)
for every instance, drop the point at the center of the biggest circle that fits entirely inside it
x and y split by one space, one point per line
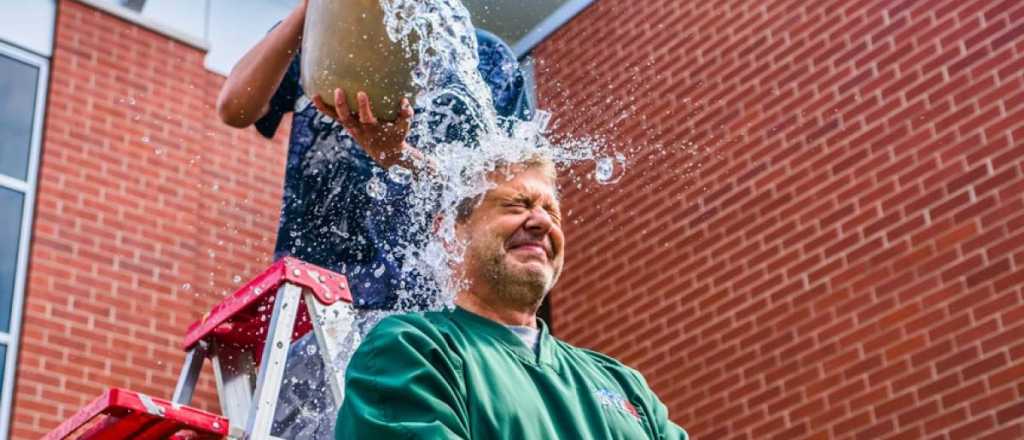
610 399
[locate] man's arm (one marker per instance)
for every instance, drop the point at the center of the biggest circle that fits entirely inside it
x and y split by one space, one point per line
402 384
245 96
666 428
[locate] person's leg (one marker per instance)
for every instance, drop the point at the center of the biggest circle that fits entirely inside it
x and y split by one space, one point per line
305 399
306 408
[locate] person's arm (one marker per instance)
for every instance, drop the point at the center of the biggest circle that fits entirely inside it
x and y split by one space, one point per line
245 96
666 428
402 384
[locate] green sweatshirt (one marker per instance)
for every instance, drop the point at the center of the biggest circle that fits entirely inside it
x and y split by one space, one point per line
456 375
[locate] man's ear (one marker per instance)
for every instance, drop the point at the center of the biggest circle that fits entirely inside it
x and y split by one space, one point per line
450 243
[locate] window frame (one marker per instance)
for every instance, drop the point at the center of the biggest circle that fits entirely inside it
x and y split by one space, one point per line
28 188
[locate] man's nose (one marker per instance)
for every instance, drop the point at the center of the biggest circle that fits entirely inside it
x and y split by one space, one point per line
539 221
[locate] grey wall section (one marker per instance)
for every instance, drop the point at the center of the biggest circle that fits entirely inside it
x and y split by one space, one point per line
556 19
511 20
28 24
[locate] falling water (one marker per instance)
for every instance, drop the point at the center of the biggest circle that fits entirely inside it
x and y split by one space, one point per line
442 37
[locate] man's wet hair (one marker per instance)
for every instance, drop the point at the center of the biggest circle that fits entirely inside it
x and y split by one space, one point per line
464 210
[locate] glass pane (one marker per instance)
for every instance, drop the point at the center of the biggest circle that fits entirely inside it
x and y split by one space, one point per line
17 113
10 231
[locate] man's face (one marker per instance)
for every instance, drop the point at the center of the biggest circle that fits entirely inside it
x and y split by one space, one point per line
515 243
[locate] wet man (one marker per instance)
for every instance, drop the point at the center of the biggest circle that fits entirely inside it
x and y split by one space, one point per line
490 369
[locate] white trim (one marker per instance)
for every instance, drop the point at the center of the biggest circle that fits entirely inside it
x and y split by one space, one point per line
28 206
12 183
196 41
5 338
557 19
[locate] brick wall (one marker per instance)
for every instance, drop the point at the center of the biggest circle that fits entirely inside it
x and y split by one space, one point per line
821 230
141 192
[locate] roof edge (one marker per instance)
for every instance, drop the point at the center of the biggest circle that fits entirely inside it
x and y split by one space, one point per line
133 17
556 20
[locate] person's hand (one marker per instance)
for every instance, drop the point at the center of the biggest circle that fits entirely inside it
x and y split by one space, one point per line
382 141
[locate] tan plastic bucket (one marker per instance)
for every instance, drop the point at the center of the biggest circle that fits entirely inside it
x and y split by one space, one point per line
345 45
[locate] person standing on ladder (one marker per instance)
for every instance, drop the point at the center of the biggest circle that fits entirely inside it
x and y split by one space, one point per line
327 216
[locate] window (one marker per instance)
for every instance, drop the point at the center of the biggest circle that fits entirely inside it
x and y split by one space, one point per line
22 91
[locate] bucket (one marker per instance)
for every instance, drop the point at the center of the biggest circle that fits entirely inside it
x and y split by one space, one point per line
345 45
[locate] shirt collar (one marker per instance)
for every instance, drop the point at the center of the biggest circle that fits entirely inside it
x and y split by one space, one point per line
508 339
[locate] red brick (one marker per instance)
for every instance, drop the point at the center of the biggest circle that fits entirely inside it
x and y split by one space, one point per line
987 365
973 429
918 413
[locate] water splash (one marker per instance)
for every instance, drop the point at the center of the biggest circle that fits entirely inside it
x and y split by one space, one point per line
376 189
609 169
442 37
400 175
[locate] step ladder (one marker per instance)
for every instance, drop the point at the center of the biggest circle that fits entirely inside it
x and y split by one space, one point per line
247 337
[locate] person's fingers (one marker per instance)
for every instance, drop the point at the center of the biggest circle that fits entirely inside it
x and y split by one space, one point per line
404 116
365 113
319 103
406 111
343 111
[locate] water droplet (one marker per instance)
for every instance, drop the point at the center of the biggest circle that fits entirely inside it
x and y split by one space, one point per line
400 174
311 349
215 187
145 139
609 170
379 271
280 344
541 119
375 188
186 287
236 279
